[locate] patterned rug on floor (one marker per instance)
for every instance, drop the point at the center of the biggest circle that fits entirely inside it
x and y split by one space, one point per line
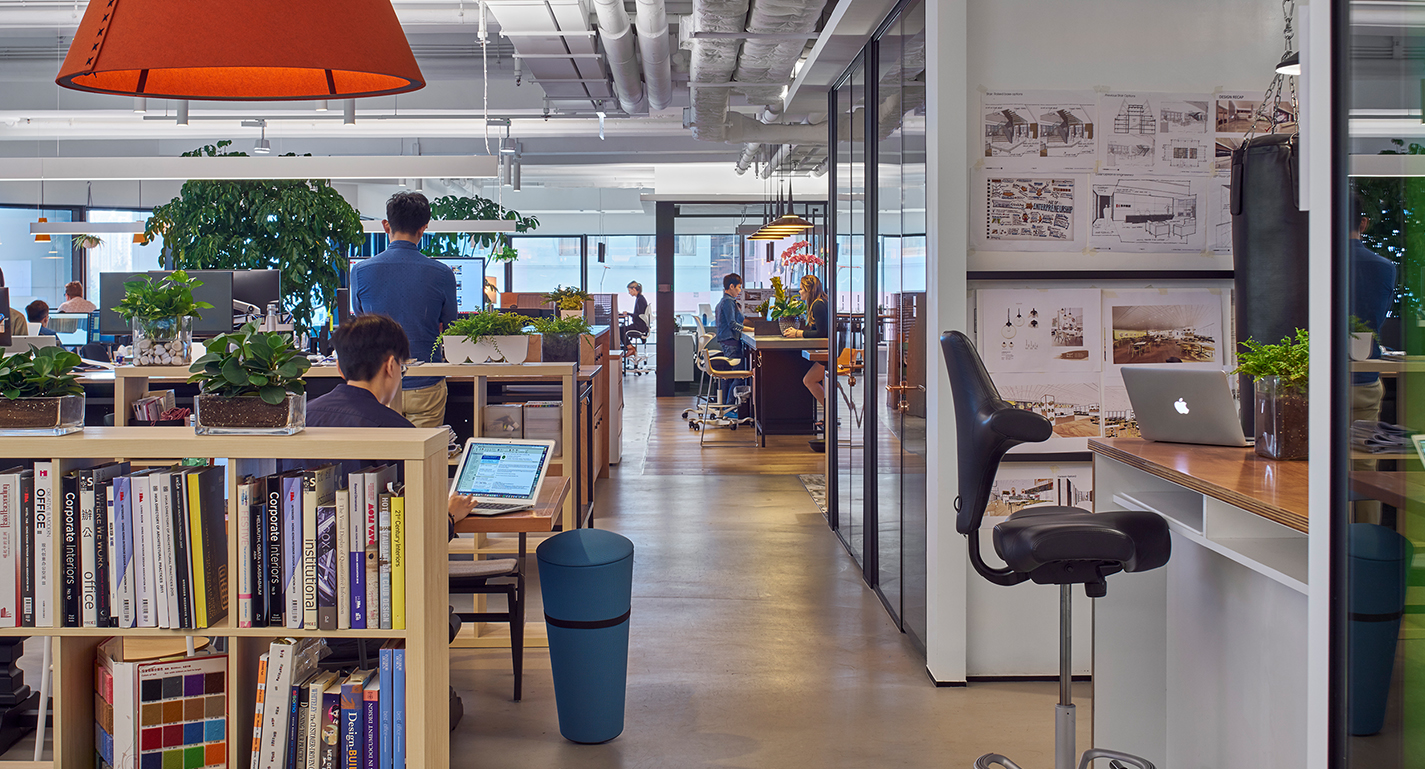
816 487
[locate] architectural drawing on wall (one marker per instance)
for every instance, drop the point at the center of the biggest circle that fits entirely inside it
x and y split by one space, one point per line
1221 202
1134 118
1029 209
1038 131
1143 214
1222 153
1024 484
1182 117
1070 403
1240 113
1118 418
1166 333
1057 330
1131 153
1187 154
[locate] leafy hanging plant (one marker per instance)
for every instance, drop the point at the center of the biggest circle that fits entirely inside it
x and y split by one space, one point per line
43 372
170 296
78 242
494 246
303 227
251 362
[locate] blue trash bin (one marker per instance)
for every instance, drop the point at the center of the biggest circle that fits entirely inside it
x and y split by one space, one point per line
586 579
1379 561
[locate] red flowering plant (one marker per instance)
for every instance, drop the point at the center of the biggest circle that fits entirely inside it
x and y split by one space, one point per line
798 258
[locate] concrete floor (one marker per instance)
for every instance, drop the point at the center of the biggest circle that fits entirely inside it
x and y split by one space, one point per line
755 643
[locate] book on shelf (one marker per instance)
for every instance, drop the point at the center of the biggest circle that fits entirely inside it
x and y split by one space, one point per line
398 562
398 703
260 702
383 550
371 721
101 480
69 549
356 483
26 551
352 705
342 558
318 489
155 706
44 543
9 526
288 660
292 549
329 751
386 667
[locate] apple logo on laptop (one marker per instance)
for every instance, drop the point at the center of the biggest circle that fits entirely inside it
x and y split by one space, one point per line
1181 406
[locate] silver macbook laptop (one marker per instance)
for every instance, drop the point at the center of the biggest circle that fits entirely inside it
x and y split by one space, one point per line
504 475
1182 405
24 343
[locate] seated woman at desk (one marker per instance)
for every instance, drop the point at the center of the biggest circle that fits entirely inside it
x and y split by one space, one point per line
638 319
818 322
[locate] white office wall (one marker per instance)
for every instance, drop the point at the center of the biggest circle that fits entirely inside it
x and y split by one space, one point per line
975 628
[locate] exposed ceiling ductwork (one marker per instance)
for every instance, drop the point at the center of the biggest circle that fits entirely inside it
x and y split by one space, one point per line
657 53
618 38
772 60
714 62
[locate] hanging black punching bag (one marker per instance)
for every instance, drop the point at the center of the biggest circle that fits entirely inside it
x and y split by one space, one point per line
1268 246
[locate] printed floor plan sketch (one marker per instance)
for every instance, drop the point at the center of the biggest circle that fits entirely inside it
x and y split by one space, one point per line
1182 117
1156 133
1221 236
1029 209
1139 214
1040 131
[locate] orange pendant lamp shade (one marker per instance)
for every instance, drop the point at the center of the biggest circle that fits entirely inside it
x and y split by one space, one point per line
255 50
43 238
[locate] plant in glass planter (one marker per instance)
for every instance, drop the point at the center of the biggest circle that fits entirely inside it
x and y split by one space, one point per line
785 309
561 337
569 301
489 336
161 313
250 382
42 393
1280 373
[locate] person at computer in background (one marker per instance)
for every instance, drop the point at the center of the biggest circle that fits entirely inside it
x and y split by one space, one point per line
728 331
818 324
1372 296
38 313
492 292
74 300
415 290
18 325
636 323
369 351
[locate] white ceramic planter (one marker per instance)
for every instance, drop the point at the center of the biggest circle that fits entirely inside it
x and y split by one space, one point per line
491 349
1361 346
571 313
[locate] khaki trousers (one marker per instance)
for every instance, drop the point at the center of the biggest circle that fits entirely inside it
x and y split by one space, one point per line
425 407
1365 406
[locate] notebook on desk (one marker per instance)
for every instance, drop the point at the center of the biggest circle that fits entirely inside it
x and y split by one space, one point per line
504 475
1181 405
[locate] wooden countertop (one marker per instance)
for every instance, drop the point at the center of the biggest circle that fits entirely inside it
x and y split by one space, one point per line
1393 488
1274 490
779 342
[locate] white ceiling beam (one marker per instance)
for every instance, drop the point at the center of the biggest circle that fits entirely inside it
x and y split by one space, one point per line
86 228
184 168
450 225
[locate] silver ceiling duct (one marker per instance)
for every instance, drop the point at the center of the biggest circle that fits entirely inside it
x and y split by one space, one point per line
617 35
656 51
772 61
714 62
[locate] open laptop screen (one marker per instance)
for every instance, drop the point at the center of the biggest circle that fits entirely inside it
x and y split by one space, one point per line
501 470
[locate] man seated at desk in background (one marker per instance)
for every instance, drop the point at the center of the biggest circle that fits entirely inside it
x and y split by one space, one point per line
728 331
18 325
415 290
74 300
38 313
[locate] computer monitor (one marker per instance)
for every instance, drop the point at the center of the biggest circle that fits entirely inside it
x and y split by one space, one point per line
217 290
72 327
24 343
257 287
469 283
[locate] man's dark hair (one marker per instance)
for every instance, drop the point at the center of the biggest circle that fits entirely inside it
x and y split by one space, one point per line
731 279
73 289
364 342
1358 210
408 212
36 310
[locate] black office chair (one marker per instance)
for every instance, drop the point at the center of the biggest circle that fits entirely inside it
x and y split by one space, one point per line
496 576
1047 544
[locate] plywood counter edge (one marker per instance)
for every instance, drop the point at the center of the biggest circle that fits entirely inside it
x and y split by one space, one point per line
166 442
1230 496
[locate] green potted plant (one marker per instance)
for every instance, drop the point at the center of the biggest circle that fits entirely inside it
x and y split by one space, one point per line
1362 339
568 301
785 309
42 393
561 337
489 336
250 382
78 242
161 313
477 208
1279 373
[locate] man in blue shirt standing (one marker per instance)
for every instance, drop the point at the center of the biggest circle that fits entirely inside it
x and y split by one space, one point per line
728 333
415 290
1372 296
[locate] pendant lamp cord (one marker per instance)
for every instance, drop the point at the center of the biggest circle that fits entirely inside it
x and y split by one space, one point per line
485 72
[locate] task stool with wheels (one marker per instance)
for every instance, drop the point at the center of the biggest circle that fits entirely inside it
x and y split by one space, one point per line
502 576
1048 544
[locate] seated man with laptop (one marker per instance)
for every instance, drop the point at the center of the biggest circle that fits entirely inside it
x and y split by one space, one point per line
1174 404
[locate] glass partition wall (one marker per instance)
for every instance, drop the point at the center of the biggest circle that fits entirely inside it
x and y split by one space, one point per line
876 465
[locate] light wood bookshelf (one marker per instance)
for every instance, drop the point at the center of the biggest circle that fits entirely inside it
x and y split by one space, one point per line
423 452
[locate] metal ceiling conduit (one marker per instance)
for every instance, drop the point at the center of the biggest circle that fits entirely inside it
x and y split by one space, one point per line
617 35
772 61
714 61
749 154
656 51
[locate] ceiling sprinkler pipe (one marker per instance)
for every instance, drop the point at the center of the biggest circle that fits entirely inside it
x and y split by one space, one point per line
749 154
617 35
657 55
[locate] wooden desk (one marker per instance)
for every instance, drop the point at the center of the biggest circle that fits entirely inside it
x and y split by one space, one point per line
1203 662
782 404
1396 489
